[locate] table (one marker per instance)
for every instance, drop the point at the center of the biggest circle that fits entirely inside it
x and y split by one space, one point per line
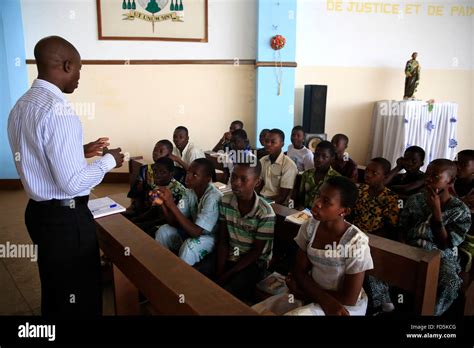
397 125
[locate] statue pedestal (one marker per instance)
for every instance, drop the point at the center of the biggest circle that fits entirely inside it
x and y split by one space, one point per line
397 125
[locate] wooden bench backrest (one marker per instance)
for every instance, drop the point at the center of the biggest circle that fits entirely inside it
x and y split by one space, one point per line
409 268
134 166
159 274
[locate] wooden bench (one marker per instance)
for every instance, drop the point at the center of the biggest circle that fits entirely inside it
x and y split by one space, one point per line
171 286
414 270
162 277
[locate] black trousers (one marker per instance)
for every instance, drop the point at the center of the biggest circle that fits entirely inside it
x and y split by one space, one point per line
242 284
68 259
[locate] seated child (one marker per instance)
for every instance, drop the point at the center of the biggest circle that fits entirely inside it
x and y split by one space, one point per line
150 220
332 257
313 179
342 163
184 152
262 152
299 153
145 181
245 234
435 220
413 180
463 187
278 170
224 142
192 222
239 152
377 207
165 149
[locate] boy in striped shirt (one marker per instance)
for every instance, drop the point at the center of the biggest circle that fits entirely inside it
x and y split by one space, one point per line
245 235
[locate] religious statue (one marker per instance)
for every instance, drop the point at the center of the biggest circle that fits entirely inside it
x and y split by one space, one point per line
412 73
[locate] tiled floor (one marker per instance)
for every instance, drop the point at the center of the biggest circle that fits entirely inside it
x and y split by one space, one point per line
20 291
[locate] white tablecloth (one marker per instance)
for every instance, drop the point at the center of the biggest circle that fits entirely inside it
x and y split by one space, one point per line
397 125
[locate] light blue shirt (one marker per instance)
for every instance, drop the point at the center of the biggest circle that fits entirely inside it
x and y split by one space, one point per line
203 212
46 139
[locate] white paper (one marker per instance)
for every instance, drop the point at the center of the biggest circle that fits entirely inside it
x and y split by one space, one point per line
104 206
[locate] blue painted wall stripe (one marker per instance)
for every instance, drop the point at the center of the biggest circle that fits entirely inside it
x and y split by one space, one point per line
14 76
273 110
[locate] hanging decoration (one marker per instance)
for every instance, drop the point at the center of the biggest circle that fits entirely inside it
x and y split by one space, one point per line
277 43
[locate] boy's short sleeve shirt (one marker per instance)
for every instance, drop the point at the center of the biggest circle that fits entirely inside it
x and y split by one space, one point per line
204 212
281 174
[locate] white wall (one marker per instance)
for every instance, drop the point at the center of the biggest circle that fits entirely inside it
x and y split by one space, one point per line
341 38
232 32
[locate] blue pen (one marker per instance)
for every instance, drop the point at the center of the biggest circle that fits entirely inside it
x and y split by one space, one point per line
110 206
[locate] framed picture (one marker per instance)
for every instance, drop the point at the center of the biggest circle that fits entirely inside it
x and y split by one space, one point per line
168 20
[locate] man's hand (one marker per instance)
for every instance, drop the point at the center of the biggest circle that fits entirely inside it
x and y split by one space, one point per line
95 148
118 155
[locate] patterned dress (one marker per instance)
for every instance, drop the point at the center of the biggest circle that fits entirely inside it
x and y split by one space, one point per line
310 188
415 220
374 213
456 219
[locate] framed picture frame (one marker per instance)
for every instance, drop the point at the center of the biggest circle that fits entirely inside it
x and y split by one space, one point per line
165 20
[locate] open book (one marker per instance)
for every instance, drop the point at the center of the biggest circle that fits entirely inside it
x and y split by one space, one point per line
222 187
273 284
104 206
300 217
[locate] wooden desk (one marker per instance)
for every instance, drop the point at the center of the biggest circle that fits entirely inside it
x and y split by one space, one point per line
171 286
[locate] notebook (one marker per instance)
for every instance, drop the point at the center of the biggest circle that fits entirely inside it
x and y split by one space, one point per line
222 187
101 207
219 185
300 217
273 284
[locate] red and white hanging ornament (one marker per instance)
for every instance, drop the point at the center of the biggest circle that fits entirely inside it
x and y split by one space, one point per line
277 42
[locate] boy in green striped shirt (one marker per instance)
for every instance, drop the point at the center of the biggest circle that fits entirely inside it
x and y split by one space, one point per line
245 234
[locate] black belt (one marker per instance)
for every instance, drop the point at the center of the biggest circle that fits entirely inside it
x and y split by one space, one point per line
69 202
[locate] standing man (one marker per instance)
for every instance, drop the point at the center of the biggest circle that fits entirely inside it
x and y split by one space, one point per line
46 140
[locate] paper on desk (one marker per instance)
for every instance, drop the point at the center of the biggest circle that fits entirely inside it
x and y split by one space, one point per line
300 217
102 207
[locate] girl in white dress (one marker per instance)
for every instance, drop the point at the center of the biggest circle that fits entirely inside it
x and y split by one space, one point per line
333 255
332 258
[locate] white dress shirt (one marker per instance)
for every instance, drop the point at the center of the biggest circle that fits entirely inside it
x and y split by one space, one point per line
46 139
